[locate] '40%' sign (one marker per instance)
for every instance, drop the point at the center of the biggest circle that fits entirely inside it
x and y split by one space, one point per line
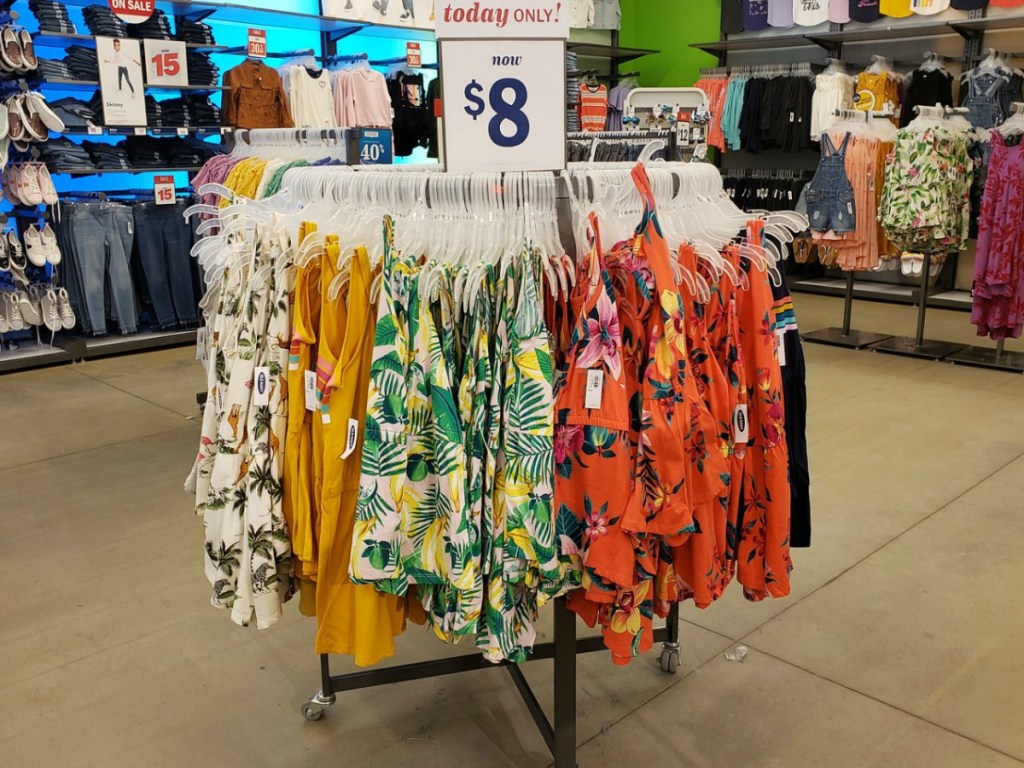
504 105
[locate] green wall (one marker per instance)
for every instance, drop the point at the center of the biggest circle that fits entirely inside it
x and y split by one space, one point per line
670 26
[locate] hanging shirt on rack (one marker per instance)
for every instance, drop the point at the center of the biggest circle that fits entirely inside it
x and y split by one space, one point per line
780 13
810 13
839 11
927 88
755 15
593 108
897 9
732 16
581 14
412 112
928 7
255 97
865 11
968 5
310 96
361 98
832 91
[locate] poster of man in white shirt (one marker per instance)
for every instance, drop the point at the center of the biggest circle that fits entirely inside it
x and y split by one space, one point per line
418 14
120 62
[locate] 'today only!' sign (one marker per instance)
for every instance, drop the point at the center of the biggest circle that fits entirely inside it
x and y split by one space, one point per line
503 84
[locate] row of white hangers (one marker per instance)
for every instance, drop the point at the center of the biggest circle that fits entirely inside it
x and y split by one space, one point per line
472 221
870 124
993 62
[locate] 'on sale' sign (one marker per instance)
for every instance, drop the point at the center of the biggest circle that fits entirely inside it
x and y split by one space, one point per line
502 18
132 11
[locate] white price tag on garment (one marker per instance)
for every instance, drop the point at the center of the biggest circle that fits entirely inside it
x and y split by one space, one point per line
351 438
595 389
261 386
780 338
201 344
309 385
740 425
325 417
501 99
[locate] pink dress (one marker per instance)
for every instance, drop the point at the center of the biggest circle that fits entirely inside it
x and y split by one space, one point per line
999 265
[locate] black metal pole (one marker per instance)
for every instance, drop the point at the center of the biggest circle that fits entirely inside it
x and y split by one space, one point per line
536 710
326 688
673 624
848 304
922 308
565 686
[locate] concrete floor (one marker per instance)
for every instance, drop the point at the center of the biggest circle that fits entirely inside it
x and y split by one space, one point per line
901 645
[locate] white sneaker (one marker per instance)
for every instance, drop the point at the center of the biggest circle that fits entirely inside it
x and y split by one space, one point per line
14 318
29 308
46 187
49 240
48 305
10 50
37 103
29 62
67 314
28 188
34 125
34 248
5 325
17 258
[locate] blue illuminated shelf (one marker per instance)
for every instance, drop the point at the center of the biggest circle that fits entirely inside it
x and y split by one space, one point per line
60 82
60 40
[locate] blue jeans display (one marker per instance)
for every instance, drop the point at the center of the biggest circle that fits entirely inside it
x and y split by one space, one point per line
163 249
101 237
830 203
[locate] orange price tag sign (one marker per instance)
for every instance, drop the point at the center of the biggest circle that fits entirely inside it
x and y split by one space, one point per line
413 55
257 43
163 190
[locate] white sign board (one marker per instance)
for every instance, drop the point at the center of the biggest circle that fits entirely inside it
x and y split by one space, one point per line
504 105
502 18
166 62
120 62
415 14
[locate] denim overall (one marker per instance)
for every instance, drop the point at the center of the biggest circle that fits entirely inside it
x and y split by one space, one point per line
830 204
983 108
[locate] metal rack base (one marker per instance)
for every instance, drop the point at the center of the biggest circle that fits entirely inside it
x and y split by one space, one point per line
927 349
851 340
986 357
560 736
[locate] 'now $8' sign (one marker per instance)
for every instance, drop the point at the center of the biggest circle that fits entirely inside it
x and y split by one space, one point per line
511 114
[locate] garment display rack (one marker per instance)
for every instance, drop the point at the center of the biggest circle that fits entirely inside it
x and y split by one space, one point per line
845 336
559 735
669 137
918 345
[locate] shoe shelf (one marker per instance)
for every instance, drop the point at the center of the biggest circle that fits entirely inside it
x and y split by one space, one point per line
94 347
61 82
61 40
30 353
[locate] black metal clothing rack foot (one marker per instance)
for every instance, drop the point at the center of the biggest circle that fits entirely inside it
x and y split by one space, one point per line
919 346
997 359
560 735
844 337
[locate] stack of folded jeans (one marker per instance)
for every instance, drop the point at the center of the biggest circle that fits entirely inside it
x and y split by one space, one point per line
96 240
204 112
195 32
107 156
62 155
155 117
54 69
176 112
52 17
144 152
156 27
82 62
201 70
102 22
75 114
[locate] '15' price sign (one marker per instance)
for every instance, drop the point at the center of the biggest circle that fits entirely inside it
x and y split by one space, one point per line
504 108
163 190
166 63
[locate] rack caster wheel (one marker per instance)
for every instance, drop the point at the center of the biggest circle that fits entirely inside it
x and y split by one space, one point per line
669 659
314 708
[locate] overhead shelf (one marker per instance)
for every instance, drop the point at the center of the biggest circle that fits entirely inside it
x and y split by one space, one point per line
878 32
760 43
613 52
60 40
973 27
99 171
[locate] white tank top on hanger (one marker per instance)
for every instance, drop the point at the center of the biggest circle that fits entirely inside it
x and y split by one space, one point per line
780 13
810 13
928 7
